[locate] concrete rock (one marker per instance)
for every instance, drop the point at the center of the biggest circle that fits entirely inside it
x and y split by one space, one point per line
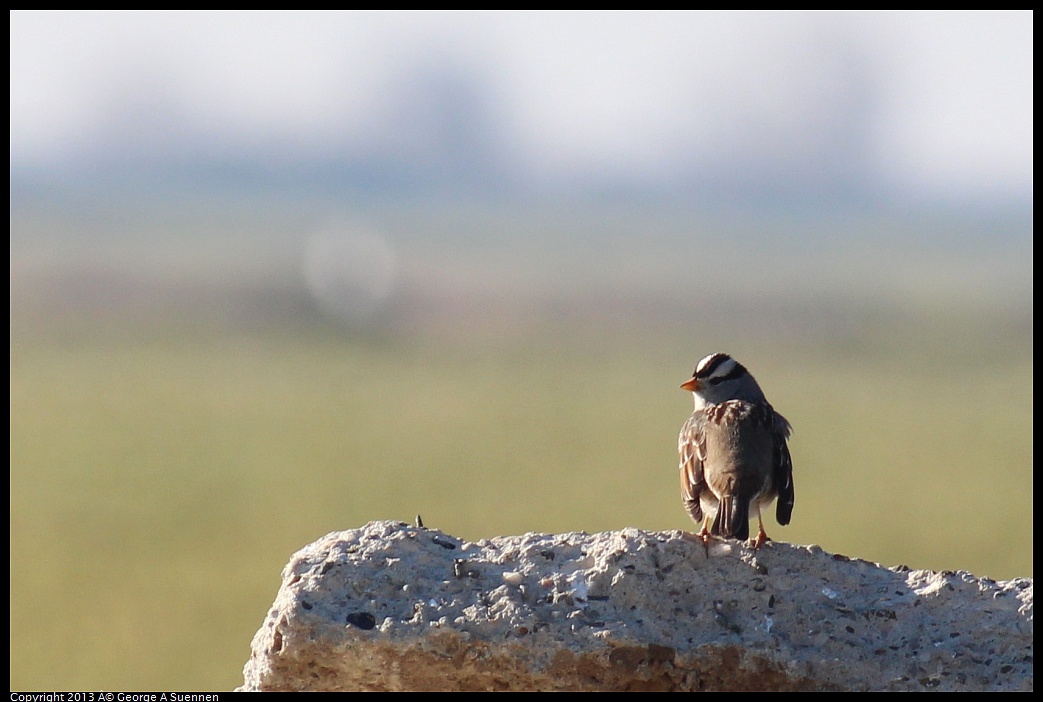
397 607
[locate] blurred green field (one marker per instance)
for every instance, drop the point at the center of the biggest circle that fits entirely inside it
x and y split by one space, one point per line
159 482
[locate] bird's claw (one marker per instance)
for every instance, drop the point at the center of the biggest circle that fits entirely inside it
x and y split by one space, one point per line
760 539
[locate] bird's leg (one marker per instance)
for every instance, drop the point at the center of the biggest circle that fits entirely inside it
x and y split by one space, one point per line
704 533
703 536
762 536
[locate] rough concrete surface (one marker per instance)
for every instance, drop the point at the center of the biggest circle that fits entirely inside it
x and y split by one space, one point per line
392 606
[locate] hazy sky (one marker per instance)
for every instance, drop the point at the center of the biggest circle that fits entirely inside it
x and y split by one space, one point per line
939 102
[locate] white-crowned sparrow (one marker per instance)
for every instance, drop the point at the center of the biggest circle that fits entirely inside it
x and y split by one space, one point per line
734 458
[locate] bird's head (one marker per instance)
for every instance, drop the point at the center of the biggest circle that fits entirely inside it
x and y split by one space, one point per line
719 377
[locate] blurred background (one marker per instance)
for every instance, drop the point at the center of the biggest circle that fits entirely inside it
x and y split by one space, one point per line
275 274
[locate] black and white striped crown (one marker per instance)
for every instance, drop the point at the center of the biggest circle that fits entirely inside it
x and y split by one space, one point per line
717 368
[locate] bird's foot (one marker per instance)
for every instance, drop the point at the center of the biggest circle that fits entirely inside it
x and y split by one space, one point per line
703 536
760 539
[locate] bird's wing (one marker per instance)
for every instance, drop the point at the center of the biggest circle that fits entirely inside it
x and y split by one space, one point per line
691 445
783 470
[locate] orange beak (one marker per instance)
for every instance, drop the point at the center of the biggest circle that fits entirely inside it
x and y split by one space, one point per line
691 385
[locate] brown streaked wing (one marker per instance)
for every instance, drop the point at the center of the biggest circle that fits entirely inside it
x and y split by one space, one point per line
691 445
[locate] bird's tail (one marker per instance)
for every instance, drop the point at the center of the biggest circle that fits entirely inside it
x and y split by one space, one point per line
733 518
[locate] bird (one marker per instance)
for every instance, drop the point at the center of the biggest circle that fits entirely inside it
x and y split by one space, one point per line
734 459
